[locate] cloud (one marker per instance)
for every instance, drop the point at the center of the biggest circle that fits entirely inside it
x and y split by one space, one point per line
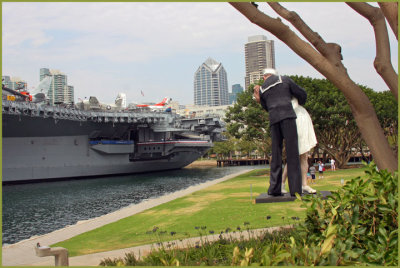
133 46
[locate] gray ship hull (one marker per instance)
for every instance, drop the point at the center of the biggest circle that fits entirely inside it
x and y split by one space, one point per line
68 157
45 145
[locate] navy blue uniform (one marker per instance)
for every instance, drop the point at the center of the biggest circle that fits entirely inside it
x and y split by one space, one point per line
275 97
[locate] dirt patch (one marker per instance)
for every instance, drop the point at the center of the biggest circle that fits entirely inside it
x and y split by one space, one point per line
150 212
199 203
240 195
203 163
338 183
219 187
297 208
206 198
189 210
237 185
186 210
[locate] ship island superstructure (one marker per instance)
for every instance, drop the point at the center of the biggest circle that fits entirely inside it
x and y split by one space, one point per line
42 142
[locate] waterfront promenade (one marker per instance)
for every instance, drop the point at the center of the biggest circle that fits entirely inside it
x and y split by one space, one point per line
23 253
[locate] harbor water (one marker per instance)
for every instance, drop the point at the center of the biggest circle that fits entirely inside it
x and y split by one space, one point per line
40 208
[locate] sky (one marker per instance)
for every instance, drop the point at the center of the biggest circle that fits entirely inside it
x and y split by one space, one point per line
133 47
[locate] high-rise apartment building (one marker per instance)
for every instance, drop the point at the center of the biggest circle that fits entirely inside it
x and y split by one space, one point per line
60 91
211 84
236 89
15 83
259 54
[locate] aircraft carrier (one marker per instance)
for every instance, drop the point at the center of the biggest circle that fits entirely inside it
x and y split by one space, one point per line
43 142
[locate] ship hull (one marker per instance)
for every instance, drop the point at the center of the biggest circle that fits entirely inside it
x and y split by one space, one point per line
42 145
46 158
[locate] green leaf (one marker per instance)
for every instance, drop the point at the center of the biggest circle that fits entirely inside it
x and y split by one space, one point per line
332 229
279 258
370 198
393 242
382 240
266 260
383 232
327 245
360 231
334 212
384 208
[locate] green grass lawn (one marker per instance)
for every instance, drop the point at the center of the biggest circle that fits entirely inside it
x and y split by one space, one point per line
223 206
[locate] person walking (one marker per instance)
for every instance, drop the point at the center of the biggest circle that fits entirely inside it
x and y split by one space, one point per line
275 97
312 172
321 169
333 167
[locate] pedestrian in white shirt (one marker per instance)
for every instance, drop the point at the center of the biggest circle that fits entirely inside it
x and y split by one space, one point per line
321 169
333 167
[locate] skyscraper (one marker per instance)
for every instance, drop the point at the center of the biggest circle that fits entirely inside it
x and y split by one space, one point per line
15 83
259 54
60 91
211 84
236 89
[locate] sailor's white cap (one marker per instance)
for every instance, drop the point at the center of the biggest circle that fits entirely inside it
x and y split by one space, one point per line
270 71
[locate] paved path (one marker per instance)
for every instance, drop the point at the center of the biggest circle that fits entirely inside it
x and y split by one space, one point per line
23 253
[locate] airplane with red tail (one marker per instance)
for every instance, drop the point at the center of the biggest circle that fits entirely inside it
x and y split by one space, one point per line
160 105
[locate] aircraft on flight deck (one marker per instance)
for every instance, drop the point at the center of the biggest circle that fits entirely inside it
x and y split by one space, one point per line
160 105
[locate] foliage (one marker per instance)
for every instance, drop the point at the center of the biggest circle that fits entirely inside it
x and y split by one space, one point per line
356 225
128 260
225 252
246 147
224 148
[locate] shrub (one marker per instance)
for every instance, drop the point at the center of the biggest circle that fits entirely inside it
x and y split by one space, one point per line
356 224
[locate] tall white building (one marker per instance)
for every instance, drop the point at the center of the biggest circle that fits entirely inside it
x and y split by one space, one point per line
60 91
211 84
200 111
259 54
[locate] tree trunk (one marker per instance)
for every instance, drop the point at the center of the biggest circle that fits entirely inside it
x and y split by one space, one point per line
327 60
390 10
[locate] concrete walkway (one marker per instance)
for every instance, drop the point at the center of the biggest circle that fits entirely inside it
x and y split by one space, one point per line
23 253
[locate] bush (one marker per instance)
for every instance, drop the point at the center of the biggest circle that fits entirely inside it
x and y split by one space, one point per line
356 225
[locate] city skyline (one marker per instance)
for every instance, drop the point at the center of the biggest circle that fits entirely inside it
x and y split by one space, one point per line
154 48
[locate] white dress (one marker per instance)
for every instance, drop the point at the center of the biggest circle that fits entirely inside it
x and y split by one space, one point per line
305 130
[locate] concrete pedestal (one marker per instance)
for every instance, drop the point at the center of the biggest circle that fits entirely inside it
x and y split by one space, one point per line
266 198
60 254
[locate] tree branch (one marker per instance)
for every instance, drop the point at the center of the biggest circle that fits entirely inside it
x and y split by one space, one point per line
283 32
390 9
382 63
331 51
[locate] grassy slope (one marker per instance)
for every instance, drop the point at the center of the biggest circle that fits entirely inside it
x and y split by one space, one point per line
224 205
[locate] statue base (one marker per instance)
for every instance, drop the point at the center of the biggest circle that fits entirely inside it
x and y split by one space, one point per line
266 198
